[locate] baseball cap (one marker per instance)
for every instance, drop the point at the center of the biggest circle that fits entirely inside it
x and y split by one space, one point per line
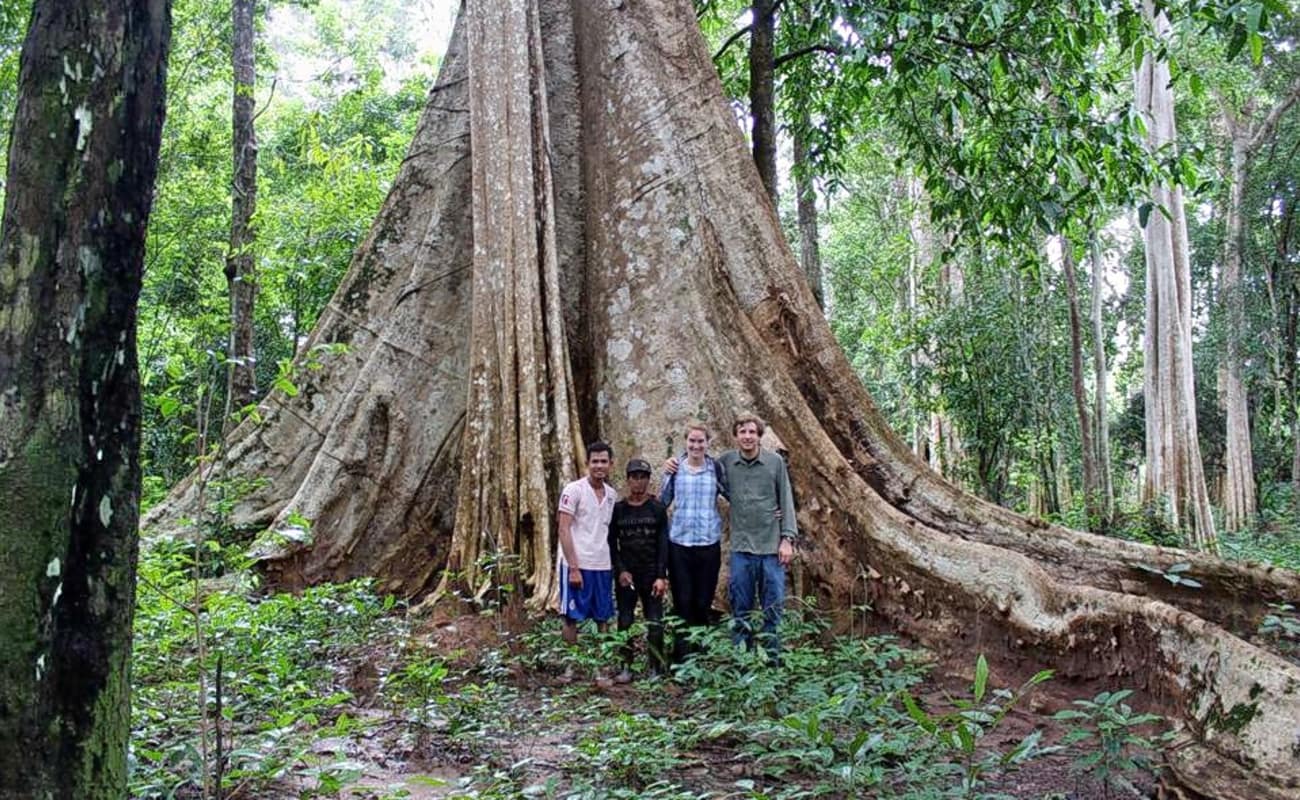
638 465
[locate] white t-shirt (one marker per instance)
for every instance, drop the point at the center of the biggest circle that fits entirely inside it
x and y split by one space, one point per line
590 528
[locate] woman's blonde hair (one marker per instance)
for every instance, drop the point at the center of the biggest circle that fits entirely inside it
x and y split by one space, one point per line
697 425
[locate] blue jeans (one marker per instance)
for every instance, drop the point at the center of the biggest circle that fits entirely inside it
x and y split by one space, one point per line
754 577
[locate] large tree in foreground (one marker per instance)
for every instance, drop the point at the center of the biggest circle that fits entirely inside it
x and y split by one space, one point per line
1175 477
82 161
579 245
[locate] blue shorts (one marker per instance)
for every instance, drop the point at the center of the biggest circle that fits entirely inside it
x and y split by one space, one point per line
594 599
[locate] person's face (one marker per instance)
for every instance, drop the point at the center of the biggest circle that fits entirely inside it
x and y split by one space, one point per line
696 443
747 438
638 483
598 465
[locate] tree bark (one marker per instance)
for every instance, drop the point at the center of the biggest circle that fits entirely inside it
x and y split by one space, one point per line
692 304
1101 382
1175 478
241 274
806 205
1091 480
1245 137
762 91
82 163
1239 474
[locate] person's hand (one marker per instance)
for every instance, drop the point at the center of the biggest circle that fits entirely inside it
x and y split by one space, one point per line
777 513
625 580
660 588
575 577
670 466
785 552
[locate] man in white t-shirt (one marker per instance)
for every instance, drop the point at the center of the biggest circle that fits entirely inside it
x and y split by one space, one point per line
585 573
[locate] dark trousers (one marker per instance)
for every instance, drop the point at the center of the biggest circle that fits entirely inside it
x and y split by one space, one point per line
693 572
652 607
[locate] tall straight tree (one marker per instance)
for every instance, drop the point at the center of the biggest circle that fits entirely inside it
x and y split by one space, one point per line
1246 134
619 270
82 162
1101 439
762 91
1175 477
1092 490
241 268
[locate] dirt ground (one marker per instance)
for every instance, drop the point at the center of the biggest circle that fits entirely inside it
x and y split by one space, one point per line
398 759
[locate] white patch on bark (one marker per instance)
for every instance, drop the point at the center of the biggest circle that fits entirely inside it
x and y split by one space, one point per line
106 510
58 592
635 407
54 569
40 666
85 121
619 349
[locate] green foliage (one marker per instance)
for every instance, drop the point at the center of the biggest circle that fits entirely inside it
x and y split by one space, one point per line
959 731
279 657
1175 574
327 158
1119 738
1282 625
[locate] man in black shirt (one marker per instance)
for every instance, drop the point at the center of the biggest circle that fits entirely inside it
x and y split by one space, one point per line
638 550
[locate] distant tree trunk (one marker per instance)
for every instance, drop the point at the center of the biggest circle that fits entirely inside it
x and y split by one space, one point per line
1175 478
806 202
1239 474
762 91
82 164
241 268
1091 480
689 302
1101 382
1245 137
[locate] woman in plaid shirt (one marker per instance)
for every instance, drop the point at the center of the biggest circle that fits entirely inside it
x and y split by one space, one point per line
695 535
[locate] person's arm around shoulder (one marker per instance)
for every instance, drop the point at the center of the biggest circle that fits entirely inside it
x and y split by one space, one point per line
720 477
789 525
568 507
668 485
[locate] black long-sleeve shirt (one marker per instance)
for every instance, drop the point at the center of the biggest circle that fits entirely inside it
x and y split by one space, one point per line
638 538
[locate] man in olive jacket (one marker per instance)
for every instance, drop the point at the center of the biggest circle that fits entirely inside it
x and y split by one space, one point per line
763 531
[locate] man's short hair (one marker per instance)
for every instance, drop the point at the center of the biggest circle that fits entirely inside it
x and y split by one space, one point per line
599 447
745 419
697 425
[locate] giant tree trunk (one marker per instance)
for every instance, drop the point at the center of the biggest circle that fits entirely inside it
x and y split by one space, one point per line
82 164
678 298
1175 477
241 278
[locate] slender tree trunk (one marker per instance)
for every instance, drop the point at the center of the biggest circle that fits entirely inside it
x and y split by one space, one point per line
241 274
762 91
1239 475
1175 478
692 304
806 203
1101 383
1245 138
82 163
1091 481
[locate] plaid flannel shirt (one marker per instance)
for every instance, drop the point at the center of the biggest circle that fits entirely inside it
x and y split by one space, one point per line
694 498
